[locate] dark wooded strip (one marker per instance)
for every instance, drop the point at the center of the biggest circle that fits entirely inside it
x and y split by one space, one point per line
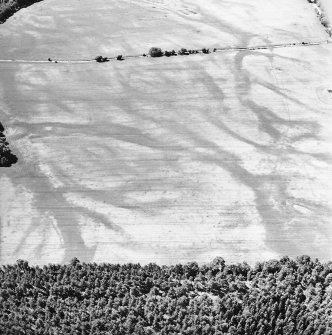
275 297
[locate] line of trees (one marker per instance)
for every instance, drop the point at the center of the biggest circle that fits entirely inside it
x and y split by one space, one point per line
157 52
7 158
283 296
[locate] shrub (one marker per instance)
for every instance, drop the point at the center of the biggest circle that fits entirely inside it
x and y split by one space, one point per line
7 158
183 51
324 21
155 52
101 59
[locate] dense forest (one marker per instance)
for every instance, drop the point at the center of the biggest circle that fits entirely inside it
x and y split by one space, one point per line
10 7
7 158
283 296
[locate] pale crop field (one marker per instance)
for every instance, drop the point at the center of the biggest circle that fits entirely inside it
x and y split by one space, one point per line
327 7
165 159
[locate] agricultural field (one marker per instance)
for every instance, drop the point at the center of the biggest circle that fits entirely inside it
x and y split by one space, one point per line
166 160
327 7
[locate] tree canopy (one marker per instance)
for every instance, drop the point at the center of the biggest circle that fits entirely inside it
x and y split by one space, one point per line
283 296
7 158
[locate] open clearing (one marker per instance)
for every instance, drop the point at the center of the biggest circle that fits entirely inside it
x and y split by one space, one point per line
171 159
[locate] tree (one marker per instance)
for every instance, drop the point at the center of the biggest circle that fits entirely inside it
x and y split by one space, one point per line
155 52
74 261
217 264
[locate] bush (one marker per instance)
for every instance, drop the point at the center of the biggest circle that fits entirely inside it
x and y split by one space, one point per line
7 158
155 52
101 59
183 51
324 21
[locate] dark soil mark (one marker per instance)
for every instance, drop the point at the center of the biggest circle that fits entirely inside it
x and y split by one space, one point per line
7 158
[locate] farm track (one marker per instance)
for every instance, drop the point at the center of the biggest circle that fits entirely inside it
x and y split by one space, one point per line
258 47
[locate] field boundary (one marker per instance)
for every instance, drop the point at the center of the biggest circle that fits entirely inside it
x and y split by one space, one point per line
199 51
